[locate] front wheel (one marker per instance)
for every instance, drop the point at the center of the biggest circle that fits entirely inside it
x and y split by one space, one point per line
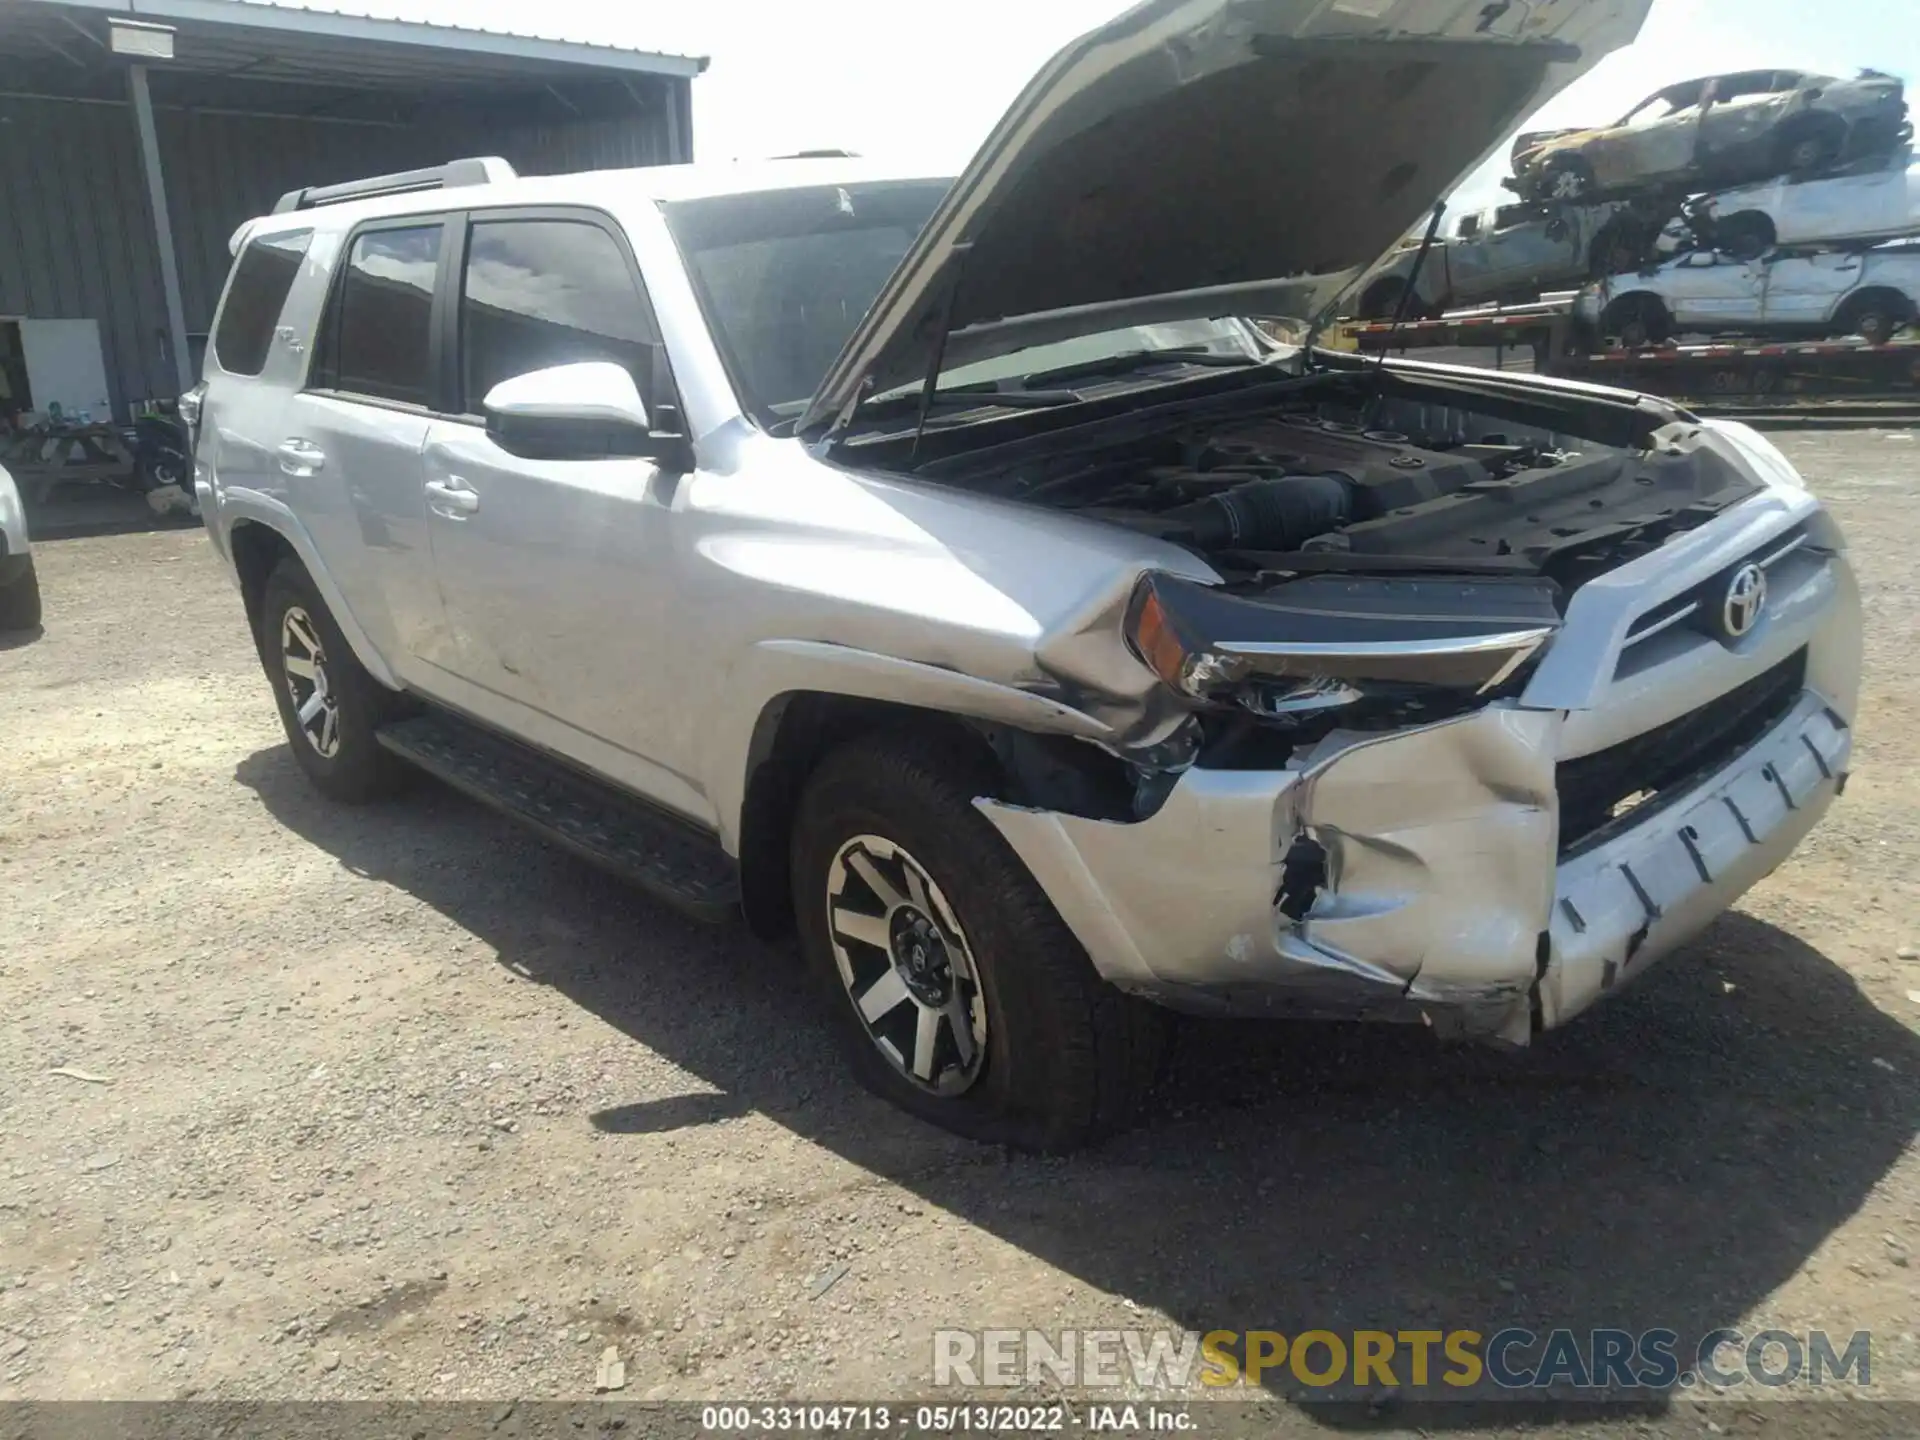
1637 322
19 593
958 992
329 704
1565 178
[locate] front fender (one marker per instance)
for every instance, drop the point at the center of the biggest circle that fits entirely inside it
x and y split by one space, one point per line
771 669
251 507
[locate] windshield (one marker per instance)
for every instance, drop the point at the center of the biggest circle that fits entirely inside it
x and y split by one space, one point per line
784 275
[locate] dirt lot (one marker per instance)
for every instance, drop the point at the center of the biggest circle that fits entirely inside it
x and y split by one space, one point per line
399 1102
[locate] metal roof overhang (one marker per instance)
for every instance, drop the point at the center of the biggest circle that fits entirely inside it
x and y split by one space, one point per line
275 59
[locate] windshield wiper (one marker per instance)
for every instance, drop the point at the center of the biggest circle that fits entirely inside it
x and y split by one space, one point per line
968 397
1130 360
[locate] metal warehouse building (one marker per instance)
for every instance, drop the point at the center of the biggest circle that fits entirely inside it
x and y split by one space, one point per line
135 135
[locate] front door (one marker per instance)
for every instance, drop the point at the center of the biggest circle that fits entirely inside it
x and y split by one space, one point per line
557 575
1706 291
1657 141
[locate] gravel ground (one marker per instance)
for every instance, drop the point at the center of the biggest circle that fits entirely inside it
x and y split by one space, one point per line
400 1103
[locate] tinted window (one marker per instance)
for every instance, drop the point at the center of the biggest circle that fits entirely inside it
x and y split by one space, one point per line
547 292
261 280
377 336
785 275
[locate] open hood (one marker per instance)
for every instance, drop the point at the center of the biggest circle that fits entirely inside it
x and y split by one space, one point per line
1213 157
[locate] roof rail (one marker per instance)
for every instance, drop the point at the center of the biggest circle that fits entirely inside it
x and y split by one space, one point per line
480 170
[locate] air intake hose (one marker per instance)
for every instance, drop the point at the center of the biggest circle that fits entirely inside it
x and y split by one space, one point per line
1275 514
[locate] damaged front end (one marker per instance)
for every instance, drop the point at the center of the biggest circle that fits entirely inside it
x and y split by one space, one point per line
1447 756
1327 889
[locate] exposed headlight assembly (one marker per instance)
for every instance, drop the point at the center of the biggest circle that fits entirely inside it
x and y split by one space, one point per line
1320 642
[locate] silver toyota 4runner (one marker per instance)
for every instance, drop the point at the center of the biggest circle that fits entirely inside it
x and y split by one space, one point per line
945 570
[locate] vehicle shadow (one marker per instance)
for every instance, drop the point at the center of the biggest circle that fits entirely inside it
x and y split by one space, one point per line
1665 1163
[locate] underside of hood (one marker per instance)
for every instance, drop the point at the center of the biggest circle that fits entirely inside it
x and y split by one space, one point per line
1194 154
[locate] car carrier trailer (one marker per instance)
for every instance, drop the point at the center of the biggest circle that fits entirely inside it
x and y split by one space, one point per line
1546 338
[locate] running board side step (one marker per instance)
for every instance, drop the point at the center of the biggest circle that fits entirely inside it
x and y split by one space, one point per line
662 855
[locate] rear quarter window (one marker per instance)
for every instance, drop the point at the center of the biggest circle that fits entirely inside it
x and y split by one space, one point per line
262 278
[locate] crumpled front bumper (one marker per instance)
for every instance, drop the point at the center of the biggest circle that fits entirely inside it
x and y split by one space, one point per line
1445 899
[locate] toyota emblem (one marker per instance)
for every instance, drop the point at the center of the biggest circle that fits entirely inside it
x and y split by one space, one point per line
1746 597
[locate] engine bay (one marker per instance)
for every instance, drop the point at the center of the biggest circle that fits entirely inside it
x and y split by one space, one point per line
1394 485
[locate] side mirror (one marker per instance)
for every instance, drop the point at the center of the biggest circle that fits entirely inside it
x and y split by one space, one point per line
587 411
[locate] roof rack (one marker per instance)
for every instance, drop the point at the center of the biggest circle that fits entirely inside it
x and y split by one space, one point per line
480 170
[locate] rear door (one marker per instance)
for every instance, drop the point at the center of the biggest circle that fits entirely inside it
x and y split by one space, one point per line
256 360
558 575
1807 289
1737 131
349 454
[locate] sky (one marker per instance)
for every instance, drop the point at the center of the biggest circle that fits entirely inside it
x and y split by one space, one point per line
911 81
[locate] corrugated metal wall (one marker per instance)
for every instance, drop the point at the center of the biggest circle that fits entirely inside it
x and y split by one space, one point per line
75 242
76 239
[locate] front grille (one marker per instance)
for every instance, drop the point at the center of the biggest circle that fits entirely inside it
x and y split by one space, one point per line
1697 606
1664 763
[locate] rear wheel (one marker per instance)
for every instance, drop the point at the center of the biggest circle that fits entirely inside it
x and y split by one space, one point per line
1877 316
958 992
328 703
1810 149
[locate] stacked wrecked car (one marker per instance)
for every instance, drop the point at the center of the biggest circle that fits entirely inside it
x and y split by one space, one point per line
1768 201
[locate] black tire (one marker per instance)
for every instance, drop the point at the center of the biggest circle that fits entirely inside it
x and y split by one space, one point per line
1067 1059
1809 149
1877 316
1638 321
1565 178
356 770
1746 236
19 594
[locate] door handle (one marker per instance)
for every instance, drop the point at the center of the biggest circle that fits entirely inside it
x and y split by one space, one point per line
301 457
452 497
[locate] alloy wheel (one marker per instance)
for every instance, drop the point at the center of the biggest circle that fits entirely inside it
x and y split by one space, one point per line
1567 184
906 965
304 662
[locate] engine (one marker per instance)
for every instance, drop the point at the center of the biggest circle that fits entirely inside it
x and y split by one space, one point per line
1419 485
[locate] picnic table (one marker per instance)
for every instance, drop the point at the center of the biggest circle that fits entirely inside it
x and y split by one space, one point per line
55 452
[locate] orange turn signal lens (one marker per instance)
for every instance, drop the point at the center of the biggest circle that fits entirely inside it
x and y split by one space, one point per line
1155 641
